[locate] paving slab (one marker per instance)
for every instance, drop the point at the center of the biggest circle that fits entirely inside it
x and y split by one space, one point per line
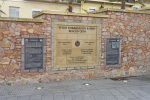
136 88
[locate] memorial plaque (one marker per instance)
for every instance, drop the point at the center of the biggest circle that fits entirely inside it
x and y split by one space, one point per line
76 45
33 53
112 51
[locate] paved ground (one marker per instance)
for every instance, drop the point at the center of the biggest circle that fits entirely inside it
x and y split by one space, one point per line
134 88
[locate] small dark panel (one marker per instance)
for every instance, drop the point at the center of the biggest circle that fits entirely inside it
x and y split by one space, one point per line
33 53
112 51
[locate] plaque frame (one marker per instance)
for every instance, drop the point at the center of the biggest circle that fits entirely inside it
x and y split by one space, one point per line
77 22
119 62
43 69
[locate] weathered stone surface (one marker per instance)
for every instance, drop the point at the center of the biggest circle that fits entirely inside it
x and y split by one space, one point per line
1 76
106 33
13 25
5 41
31 30
124 59
5 60
7 73
12 46
24 30
1 52
139 58
6 32
17 33
1 71
11 30
139 51
17 29
131 71
16 66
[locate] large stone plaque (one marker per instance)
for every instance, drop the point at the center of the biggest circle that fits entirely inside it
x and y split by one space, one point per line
76 45
33 53
112 51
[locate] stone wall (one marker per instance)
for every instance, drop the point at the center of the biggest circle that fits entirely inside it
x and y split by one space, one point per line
132 28
135 48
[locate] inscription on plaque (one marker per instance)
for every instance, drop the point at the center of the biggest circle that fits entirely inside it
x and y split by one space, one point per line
112 51
33 54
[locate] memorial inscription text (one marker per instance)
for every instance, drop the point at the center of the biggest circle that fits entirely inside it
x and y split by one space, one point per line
112 51
33 53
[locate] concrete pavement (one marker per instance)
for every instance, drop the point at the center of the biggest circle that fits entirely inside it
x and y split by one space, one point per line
133 88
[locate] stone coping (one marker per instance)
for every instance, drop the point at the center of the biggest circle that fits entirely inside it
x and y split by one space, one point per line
50 1
121 10
67 13
21 19
142 9
102 1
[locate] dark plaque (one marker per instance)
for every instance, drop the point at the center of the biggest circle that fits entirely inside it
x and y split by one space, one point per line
112 51
33 53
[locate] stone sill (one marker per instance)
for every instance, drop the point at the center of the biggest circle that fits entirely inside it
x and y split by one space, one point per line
143 11
21 19
69 14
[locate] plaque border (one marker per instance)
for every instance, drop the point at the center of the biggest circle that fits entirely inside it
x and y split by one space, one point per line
52 44
120 42
23 53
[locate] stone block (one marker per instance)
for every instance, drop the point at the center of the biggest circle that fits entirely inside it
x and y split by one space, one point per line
52 24
42 70
77 68
24 71
72 68
62 68
90 67
33 36
25 36
62 20
91 22
78 21
22 66
34 70
98 22
97 67
42 36
54 69
44 65
52 32
84 67
44 41
22 57
85 21
55 20
44 49
52 39
69 20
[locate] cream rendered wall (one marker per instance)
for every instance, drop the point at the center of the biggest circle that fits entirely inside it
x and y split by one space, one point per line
97 5
26 7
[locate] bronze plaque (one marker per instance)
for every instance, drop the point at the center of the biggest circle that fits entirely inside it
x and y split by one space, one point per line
33 53
75 45
112 51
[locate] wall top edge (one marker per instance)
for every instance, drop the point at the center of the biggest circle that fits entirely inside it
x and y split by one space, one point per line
139 11
69 14
21 19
